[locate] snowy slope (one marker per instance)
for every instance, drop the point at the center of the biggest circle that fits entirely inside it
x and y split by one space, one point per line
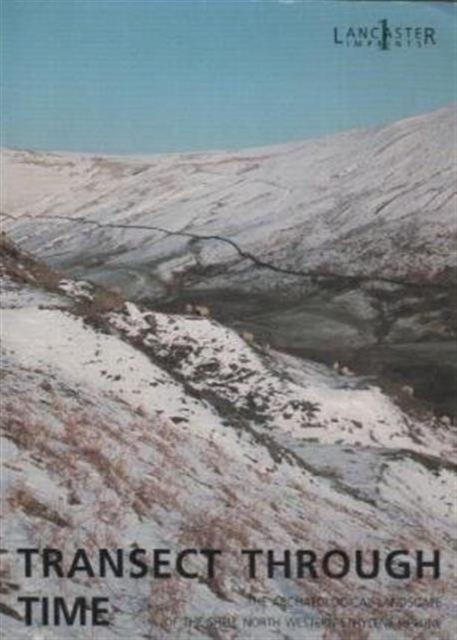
126 427
370 202
371 212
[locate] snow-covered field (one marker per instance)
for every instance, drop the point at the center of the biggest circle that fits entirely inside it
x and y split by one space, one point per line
127 428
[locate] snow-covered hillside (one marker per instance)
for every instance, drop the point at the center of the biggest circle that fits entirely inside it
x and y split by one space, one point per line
372 211
377 202
123 427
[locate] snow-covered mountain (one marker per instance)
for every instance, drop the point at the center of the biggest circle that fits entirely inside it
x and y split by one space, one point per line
128 428
376 202
371 213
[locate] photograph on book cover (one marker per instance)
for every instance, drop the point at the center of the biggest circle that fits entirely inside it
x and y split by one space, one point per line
228 267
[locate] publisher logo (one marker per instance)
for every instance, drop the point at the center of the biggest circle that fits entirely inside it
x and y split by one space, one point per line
385 36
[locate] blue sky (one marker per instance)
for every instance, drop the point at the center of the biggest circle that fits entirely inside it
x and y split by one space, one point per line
135 76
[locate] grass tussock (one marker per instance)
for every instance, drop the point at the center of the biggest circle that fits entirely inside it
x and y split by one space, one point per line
20 497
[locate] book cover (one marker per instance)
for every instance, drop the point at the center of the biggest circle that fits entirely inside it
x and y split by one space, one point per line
228 320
